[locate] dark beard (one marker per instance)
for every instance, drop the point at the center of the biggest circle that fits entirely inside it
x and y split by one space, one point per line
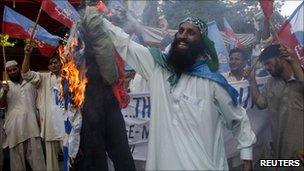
15 79
278 73
181 60
278 70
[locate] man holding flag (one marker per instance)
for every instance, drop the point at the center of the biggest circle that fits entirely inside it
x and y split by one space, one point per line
284 98
48 104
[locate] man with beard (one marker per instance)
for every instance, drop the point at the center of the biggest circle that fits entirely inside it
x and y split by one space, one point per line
21 121
237 63
48 105
283 95
189 103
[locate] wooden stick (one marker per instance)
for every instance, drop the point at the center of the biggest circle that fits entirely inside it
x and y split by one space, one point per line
274 31
4 62
254 65
14 3
35 26
276 36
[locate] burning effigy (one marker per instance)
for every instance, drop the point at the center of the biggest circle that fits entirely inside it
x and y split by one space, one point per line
89 75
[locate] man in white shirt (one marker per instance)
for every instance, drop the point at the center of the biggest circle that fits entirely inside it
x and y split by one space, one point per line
190 103
49 106
237 63
21 126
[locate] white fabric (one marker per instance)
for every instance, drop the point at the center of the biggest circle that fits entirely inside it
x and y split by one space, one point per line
138 84
58 114
21 116
186 125
10 63
73 141
48 104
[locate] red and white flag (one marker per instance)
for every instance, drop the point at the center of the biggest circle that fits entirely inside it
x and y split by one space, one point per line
233 41
291 33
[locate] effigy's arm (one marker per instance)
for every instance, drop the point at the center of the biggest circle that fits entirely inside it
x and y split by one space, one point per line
99 45
134 54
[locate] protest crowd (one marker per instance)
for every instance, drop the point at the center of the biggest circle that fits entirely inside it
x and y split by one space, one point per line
119 93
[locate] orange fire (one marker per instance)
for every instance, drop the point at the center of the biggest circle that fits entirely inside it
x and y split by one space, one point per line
76 77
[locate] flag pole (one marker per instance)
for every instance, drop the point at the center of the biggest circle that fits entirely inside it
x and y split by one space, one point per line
274 31
276 36
4 62
35 26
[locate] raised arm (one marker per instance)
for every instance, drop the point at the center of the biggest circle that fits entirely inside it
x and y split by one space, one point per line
293 61
26 61
259 100
136 55
28 75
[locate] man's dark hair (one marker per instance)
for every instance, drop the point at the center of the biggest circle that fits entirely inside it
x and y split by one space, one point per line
241 51
55 56
272 51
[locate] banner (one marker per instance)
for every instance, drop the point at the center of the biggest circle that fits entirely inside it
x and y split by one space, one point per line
215 35
137 117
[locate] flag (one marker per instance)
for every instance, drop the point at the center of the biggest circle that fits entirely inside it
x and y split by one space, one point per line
61 10
215 35
233 40
291 33
18 26
267 7
102 7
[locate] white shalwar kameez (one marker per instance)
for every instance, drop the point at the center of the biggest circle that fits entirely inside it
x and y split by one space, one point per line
187 120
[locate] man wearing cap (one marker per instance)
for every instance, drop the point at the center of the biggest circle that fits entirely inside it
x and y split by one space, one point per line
48 105
190 101
21 126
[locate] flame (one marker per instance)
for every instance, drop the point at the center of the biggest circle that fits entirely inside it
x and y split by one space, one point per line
75 77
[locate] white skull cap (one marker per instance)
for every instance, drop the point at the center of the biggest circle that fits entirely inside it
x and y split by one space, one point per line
10 63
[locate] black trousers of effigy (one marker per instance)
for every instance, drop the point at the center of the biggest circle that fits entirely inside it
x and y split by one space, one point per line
103 128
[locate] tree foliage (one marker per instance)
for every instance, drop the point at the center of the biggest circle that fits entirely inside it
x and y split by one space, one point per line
239 14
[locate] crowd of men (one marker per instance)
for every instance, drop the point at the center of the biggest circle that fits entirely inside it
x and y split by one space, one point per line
190 105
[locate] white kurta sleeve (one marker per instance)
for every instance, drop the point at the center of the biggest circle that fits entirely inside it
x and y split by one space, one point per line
33 77
236 120
135 55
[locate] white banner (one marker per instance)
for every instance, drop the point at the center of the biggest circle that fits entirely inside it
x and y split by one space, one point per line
137 116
